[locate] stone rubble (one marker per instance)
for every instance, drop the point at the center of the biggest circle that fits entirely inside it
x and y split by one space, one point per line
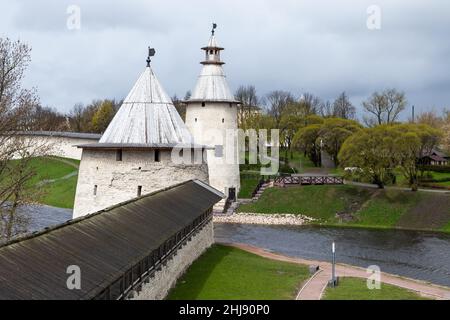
260 218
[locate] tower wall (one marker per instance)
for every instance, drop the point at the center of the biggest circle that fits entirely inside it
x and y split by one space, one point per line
208 124
118 181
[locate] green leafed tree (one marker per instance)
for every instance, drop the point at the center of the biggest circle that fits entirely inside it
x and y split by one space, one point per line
334 132
307 140
370 151
103 116
379 150
413 141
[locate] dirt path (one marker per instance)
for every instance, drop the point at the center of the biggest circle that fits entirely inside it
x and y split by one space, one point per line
314 288
48 181
68 162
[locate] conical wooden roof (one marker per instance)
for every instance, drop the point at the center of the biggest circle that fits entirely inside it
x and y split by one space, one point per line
147 117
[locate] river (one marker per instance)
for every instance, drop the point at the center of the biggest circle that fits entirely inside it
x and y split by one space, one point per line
418 255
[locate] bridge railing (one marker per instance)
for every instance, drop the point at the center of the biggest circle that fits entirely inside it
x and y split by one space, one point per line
142 272
307 180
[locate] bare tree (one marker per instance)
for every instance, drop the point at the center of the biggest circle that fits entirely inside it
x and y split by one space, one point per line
276 102
249 102
343 108
385 107
310 104
430 118
180 105
76 117
16 105
326 109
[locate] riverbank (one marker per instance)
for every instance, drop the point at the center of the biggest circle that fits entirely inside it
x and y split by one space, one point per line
314 289
355 206
264 219
412 254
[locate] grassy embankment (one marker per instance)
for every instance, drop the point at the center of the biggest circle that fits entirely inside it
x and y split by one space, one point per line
358 207
356 289
56 179
228 273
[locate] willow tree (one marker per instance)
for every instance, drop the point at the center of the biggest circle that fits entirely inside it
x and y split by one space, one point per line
307 139
379 150
413 141
334 132
371 150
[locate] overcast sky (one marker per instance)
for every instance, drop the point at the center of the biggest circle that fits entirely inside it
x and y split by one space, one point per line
322 47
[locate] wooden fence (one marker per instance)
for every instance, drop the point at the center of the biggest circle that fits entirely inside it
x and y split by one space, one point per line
307 180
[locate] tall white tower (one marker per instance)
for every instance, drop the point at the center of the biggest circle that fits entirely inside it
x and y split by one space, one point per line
211 117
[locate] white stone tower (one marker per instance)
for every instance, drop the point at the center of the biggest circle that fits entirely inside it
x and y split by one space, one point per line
211 115
134 155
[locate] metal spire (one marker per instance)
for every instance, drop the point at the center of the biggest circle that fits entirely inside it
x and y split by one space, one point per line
151 53
214 26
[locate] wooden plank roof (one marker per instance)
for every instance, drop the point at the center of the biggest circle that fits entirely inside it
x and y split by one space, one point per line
103 244
147 116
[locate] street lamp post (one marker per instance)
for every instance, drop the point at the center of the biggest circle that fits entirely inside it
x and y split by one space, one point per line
333 281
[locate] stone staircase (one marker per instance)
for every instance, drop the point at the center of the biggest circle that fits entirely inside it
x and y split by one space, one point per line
261 189
221 209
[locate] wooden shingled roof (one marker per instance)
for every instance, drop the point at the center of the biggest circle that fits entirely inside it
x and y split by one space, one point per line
103 244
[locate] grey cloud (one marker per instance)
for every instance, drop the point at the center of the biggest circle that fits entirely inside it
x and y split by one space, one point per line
319 46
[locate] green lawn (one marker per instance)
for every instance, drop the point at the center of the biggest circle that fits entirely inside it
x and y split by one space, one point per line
320 202
224 273
49 168
59 193
356 289
386 208
353 206
248 185
446 228
298 161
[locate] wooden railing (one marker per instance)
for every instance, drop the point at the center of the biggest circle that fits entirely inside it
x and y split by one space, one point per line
307 180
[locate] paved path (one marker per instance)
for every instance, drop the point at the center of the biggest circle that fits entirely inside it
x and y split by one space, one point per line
314 287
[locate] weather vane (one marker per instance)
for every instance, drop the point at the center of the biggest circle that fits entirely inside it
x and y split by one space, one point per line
151 53
213 28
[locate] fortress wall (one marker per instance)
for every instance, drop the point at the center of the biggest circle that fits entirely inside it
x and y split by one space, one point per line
63 146
160 285
58 146
118 181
